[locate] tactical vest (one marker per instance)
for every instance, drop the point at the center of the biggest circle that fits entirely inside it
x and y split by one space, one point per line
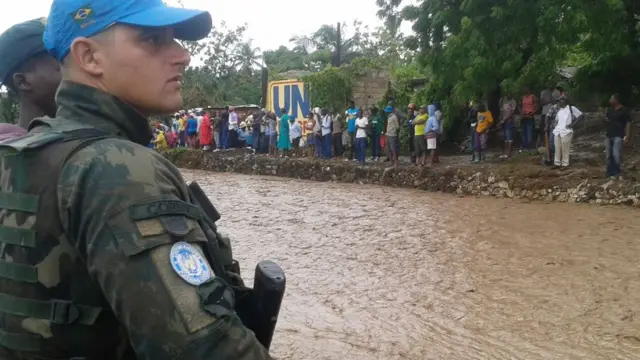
50 308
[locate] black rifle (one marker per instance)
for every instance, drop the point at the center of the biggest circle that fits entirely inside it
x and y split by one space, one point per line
260 313
268 289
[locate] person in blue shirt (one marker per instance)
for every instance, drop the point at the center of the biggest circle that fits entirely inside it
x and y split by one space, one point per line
284 141
192 130
431 131
352 115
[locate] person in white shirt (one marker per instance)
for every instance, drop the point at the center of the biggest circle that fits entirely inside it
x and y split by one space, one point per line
362 123
317 131
295 134
565 120
326 134
199 118
233 128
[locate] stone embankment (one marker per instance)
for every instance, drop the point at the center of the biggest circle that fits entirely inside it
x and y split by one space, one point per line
518 178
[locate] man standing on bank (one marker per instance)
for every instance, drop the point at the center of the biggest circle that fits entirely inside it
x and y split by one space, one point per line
618 133
28 70
106 257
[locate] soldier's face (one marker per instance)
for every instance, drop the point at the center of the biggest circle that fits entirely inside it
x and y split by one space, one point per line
144 67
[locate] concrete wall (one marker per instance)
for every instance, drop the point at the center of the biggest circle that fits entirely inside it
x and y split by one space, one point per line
370 89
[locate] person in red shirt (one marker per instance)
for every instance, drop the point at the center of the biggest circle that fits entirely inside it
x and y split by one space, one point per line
529 107
205 131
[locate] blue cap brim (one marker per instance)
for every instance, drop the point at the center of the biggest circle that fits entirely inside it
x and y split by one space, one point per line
190 25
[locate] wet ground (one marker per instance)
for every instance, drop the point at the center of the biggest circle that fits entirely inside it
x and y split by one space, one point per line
384 273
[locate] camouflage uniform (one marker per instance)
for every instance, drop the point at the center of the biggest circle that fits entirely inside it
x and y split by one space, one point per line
88 216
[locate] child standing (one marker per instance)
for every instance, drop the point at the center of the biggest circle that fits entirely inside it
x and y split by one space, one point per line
485 119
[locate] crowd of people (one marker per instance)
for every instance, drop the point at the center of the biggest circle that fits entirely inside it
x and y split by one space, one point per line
558 119
352 135
357 133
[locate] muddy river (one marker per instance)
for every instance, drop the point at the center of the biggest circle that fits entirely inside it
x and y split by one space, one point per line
384 273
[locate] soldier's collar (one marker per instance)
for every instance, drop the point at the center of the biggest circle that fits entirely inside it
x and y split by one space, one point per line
106 112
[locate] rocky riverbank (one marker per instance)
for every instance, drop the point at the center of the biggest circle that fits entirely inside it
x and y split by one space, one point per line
520 177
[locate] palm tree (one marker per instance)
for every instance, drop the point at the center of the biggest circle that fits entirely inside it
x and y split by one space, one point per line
248 57
329 37
303 44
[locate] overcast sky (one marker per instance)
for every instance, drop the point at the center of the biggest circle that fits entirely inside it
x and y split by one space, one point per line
270 23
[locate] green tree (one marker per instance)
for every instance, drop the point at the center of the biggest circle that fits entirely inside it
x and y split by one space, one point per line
473 48
284 59
225 74
8 107
248 57
609 55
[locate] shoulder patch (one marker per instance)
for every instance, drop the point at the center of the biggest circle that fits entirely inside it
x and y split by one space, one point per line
155 208
31 141
189 264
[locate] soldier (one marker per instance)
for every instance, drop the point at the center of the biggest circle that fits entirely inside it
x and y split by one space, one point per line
28 70
103 253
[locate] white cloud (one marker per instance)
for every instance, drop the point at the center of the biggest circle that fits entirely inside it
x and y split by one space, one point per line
270 23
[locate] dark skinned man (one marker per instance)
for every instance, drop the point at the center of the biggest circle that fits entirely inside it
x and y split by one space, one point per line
28 70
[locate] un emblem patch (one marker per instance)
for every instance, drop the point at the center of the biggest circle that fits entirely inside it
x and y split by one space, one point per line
189 264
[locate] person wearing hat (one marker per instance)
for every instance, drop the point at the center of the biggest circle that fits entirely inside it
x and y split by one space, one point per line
28 70
110 258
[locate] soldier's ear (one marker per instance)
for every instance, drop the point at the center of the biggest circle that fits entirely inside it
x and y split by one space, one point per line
21 83
86 55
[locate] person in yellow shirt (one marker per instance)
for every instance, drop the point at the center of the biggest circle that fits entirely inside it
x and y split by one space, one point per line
485 119
160 143
310 136
419 141
182 129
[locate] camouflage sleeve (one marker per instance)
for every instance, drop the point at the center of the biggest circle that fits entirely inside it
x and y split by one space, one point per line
125 209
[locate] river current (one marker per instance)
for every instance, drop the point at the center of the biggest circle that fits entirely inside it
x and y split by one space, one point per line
384 273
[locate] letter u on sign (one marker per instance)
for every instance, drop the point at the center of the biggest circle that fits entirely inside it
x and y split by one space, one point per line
290 95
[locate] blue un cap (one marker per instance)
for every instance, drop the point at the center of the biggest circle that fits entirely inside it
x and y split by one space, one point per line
71 19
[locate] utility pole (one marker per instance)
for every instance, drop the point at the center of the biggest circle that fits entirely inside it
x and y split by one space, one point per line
338 55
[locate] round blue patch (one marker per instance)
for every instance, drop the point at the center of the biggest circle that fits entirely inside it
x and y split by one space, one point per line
189 263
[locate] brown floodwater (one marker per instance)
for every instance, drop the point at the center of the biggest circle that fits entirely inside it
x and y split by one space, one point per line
384 273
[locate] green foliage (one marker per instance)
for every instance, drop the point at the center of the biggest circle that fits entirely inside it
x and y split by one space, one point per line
403 92
8 107
228 74
283 59
612 48
483 49
330 88
333 86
